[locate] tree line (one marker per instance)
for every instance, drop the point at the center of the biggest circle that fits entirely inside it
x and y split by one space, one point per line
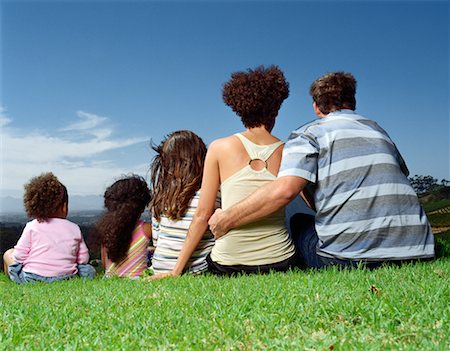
426 184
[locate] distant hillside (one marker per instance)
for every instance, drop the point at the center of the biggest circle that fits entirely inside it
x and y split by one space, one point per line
10 204
435 199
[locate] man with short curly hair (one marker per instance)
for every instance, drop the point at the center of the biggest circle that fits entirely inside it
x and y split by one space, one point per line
366 210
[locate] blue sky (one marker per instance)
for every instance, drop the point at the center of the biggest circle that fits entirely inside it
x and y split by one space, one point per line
85 85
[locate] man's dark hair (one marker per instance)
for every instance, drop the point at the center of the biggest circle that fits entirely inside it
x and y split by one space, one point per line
334 91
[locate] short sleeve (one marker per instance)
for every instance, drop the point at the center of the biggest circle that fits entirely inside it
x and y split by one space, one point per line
300 156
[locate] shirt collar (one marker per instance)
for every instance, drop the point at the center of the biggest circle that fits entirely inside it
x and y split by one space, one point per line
341 112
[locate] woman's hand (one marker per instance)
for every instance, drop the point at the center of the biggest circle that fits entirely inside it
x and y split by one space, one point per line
160 276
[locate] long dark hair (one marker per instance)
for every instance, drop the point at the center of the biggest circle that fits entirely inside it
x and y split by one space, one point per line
176 172
125 200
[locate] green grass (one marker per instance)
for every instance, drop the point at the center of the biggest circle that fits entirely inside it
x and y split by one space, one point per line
439 220
391 308
436 205
442 244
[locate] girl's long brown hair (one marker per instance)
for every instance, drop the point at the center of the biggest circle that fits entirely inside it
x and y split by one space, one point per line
176 173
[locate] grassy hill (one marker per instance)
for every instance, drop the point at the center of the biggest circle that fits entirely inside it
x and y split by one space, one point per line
437 206
390 308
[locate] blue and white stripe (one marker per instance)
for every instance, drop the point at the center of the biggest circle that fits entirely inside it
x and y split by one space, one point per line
366 208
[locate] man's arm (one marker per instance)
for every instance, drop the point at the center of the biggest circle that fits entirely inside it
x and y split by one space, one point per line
260 204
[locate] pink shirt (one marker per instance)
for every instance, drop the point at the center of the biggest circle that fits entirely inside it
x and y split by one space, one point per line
51 248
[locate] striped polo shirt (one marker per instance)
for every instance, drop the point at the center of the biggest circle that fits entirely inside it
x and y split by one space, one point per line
366 208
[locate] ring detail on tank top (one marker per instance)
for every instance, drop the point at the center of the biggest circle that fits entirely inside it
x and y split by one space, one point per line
258 159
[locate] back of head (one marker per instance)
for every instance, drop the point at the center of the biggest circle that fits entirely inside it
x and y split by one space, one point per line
176 173
129 191
44 196
256 95
125 200
334 91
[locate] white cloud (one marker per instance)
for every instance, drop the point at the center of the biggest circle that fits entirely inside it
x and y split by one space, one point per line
90 124
76 154
89 121
4 120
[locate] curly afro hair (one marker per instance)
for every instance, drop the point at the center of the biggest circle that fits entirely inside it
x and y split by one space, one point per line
44 196
334 91
125 200
256 95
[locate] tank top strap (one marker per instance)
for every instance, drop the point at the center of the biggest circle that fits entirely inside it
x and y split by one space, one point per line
258 152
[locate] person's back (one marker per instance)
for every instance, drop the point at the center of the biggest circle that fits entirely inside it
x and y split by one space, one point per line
169 236
135 261
176 178
263 242
366 208
125 238
256 97
51 248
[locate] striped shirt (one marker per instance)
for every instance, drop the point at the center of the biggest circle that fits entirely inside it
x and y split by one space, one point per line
136 260
169 237
366 208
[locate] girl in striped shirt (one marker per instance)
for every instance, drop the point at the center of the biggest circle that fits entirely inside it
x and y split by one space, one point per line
176 179
125 238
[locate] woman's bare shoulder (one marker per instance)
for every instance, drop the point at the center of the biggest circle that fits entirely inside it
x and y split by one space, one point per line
224 144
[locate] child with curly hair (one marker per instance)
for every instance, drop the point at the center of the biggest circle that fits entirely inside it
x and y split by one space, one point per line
125 237
51 248
177 171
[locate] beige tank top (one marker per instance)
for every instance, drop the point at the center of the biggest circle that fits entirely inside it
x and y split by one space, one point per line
262 242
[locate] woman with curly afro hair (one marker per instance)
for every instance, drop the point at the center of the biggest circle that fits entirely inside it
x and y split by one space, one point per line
237 165
125 237
50 248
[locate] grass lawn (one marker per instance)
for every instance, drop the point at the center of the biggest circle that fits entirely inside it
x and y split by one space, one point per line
391 308
436 205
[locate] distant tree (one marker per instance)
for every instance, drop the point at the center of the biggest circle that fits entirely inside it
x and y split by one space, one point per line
423 184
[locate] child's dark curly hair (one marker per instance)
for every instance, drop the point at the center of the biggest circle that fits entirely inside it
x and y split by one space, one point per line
44 195
256 95
125 200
